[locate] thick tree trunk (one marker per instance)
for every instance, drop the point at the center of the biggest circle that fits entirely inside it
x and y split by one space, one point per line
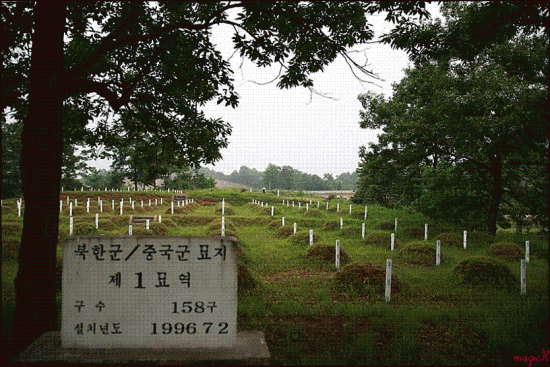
496 195
42 146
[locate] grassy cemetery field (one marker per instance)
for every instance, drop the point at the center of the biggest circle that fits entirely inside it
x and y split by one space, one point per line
467 310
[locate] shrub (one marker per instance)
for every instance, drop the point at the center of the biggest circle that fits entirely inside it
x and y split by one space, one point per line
387 226
327 253
331 226
450 239
419 253
485 270
364 278
505 251
302 238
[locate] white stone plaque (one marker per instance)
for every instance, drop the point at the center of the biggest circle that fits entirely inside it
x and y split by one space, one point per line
149 292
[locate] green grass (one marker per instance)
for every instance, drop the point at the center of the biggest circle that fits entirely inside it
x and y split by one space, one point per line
306 316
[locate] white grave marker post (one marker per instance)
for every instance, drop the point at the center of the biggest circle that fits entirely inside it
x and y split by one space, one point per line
223 226
156 202
160 218
149 202
277 192
392 241
527 251
523 276
311 237
366 209
337 255
299 205
142 203
60 205
388 279
68 199
465 239
178 203
19 208
76 202
223 206
307 207
113 204
70 209
96 220
272 210
88 206
293 203
101 206
130 230
395 225
318 205
71 226
133 204
363 230
438 253
350 209
337 207
172 207
147 224
327 205
341 222
160 201
283 221
121 205
426 231
294 228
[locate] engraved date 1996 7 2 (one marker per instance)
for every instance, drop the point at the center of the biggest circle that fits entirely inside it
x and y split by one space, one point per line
189 328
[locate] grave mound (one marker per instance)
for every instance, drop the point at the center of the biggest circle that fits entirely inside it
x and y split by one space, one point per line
228 209
351 231
245 280
413 232
418 253
365 278
331 226
327 253
450 239
215 228
480 237
381 239
285 231
302 238
506 251
9 229
316 213
10 250
387 226
485 270
275 224
155 229
83 229
105 225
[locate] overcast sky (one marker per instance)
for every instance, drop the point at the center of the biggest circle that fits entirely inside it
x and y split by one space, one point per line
291 127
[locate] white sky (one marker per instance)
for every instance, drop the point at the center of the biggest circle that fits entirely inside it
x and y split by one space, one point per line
284 128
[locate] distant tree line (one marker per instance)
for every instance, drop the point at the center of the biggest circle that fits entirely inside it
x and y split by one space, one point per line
286 178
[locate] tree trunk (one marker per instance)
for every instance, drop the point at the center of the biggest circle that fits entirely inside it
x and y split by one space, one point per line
496 195
42 146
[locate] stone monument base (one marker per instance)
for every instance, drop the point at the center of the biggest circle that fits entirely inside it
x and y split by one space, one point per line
250 349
